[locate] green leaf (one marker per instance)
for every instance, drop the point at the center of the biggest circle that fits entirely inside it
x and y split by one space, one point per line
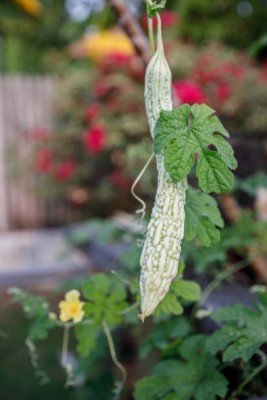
37 310
169 305
182 133
202 218
179 288
188 290
107 298
213 173
150 388
86 337
194 375
242 348
222 338
164 331
243 333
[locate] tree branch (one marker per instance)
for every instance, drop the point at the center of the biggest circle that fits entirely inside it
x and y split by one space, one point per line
133 29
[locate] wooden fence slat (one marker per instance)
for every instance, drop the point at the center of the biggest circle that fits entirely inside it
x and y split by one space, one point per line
25 103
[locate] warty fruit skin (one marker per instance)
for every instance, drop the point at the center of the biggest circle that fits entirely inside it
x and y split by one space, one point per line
162 248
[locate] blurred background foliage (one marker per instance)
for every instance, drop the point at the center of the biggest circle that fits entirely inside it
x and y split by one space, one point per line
35 34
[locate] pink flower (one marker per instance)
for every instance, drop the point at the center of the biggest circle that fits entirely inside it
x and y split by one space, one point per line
188 92
91 112
119 58
223 91
168 19
94 139
65 170
119 180
44 160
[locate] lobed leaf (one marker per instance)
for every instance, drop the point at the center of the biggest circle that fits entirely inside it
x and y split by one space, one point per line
243 333
202 218
193 376
185 132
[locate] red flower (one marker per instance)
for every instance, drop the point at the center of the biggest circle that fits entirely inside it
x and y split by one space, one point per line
119 180
168 19
223 91
188 92
91 112
44 160
101 88
94 139
119 58
65 170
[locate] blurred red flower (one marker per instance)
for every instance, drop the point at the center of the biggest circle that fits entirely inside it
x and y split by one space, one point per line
118 58
91 112
94 139
65 170
44 159
188 92
223 91
168 19
119 180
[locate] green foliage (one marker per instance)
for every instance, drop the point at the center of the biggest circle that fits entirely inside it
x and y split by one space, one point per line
186 290
86 335
107 299
194 376
37 310
205 20
243 333
164 331
185 131
250 184
202 219
103 231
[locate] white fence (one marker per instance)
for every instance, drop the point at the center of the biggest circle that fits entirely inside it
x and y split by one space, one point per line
25 103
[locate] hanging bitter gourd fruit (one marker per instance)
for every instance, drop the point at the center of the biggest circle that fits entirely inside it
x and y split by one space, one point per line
162 247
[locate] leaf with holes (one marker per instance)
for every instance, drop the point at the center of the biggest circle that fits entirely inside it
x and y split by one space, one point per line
185 132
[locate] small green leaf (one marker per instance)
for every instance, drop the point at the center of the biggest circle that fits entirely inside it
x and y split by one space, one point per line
169 305
98 284
188 290
106 297
202 218
86 338
185 132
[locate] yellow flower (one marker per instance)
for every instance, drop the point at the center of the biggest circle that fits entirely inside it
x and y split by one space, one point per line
71 308
33 7
98 45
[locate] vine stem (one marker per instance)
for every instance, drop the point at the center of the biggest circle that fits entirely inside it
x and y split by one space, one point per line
221 277
65 345
254 373
217 281
113 353
142 210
